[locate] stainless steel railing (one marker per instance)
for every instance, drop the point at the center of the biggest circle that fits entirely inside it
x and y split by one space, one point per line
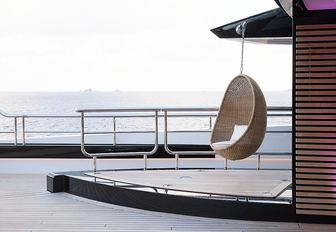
17 118
176 154
19 127
22 129
165 113
15 131
105 154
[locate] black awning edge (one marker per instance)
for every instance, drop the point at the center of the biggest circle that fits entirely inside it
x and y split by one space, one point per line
269 24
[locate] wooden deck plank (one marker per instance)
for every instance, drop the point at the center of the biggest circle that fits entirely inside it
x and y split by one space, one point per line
25 205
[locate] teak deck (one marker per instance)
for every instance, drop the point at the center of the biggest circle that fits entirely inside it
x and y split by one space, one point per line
247 183
25 205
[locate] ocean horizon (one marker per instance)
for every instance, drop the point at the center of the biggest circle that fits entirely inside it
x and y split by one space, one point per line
59 103
66 103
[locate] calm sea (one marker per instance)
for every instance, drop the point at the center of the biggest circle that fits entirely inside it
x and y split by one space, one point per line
66 103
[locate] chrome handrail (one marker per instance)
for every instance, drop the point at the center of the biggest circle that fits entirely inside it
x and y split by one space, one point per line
15 116
145 154
114 154
165 115
23 117
177 153
116 113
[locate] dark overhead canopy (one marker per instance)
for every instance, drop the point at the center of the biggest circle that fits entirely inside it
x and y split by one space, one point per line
273 26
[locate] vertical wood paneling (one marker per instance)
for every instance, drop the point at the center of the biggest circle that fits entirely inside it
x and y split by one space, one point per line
315 120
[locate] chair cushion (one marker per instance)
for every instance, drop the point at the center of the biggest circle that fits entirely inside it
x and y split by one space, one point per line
238 131
222 144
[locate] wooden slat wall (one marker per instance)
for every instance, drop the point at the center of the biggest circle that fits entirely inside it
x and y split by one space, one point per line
315 121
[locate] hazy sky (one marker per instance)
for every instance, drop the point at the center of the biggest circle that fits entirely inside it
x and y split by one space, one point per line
140 45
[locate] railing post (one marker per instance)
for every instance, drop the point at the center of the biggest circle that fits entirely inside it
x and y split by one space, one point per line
156 137
83 135
23 131
210 123
114 132
156 141
145 162
258 161
226 164
165 116
15 131
165 127
82 129
94 164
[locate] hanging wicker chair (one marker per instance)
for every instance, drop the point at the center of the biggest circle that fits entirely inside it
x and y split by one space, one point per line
243 106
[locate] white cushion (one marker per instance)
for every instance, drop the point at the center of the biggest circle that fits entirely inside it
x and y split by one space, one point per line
222 144
238 131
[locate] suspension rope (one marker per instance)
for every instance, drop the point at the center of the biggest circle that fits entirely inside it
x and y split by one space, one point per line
241 30
242 51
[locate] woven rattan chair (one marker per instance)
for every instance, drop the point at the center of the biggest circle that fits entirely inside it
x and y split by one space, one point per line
243 104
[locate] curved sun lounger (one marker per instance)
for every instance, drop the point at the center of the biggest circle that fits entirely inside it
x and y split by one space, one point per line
241 121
